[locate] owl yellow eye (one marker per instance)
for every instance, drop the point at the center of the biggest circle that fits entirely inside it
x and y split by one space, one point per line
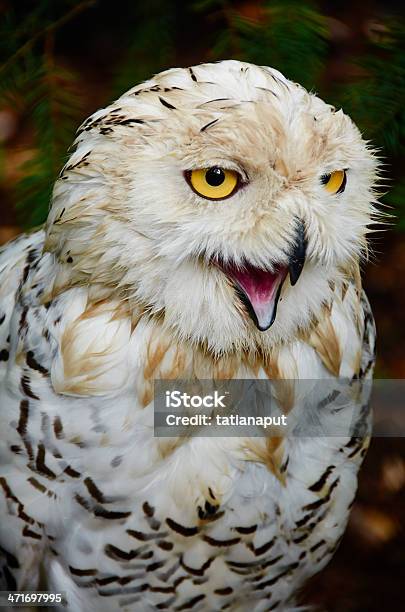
335 182
214 183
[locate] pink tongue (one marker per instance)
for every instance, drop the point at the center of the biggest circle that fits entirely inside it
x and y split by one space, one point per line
260 287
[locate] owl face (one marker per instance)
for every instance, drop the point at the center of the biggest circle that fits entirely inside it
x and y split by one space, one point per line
223 199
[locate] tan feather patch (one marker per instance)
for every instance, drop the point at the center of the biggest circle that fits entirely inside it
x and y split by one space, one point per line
85 366
225 368
345 287
357 361
324 340
271 365
284 393
268 451
154 356
146 395
167 446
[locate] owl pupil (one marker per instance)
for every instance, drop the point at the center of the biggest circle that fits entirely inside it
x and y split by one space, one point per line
215 176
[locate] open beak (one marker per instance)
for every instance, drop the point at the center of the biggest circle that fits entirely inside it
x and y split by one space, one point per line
259 290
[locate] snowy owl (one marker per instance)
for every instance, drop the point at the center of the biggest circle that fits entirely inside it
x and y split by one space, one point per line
209 224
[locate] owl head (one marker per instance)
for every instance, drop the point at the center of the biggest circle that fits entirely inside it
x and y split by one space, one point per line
223 200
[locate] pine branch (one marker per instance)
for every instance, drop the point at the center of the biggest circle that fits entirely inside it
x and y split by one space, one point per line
52 27
150 44
55 108
284 33
45 94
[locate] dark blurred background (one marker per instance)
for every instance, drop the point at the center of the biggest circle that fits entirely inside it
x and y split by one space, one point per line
62 59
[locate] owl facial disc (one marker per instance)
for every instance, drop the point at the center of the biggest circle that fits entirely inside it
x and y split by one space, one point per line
259 290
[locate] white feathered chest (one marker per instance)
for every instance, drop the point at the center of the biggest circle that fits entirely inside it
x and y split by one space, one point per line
122 520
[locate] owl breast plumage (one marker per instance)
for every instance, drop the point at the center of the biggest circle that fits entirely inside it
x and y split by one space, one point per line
208 225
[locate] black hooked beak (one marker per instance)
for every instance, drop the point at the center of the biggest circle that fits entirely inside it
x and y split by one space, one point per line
297 253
